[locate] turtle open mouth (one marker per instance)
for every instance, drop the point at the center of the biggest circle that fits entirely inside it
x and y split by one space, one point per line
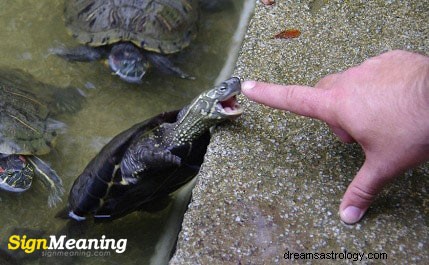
230 107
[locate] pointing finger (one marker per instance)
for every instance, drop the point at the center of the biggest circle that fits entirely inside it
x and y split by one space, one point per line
302 100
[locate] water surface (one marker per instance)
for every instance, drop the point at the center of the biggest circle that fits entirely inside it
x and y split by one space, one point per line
28 29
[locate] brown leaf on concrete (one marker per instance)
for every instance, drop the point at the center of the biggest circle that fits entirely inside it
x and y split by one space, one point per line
288 34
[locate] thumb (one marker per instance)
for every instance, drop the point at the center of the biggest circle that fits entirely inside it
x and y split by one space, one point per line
362 191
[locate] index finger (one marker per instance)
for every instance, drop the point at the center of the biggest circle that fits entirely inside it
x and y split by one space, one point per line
302 100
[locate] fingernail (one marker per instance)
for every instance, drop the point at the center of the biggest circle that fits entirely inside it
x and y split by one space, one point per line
247 85
351 214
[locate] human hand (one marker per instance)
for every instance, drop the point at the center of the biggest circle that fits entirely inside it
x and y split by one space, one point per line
382 104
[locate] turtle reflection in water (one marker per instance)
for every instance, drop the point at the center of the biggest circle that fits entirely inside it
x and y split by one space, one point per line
151 159
133 34
27 129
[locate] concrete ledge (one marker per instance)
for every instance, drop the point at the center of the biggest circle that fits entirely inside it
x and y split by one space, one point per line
272 181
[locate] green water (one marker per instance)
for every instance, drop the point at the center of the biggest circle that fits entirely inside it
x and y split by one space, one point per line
28 29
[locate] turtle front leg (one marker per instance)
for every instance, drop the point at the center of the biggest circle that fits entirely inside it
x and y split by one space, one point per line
147 160
80 53
164 64
49 178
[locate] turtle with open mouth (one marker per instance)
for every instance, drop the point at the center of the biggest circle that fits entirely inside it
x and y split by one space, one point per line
151 159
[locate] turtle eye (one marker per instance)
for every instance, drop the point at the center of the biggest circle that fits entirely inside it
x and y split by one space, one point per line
222 88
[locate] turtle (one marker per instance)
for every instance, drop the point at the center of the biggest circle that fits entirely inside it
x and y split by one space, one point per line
133 34
28 130
147 162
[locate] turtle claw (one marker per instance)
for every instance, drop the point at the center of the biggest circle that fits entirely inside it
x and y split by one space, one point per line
49 178
163 64
55 196
188 77
69 99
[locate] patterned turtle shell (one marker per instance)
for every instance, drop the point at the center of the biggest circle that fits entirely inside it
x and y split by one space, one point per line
163 26
26 126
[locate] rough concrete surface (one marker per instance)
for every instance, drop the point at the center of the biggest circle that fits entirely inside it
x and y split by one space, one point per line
272 181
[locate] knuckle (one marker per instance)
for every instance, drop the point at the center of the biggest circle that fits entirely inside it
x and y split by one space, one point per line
328 81
363 194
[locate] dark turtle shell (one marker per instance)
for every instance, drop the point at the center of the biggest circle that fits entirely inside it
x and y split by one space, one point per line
100 191
164 26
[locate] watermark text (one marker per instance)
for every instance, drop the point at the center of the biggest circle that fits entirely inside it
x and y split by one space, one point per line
345 255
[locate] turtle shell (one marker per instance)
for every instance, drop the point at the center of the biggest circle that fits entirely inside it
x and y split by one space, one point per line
100 192
164 26
25 124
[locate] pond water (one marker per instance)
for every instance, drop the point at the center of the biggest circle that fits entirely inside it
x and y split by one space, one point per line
28 29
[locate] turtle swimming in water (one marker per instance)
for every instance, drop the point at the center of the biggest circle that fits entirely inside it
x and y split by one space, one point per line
27 129
133 34
151 159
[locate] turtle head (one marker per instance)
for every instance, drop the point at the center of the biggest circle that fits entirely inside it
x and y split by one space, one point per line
220 102
16 174
126 61
210 108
